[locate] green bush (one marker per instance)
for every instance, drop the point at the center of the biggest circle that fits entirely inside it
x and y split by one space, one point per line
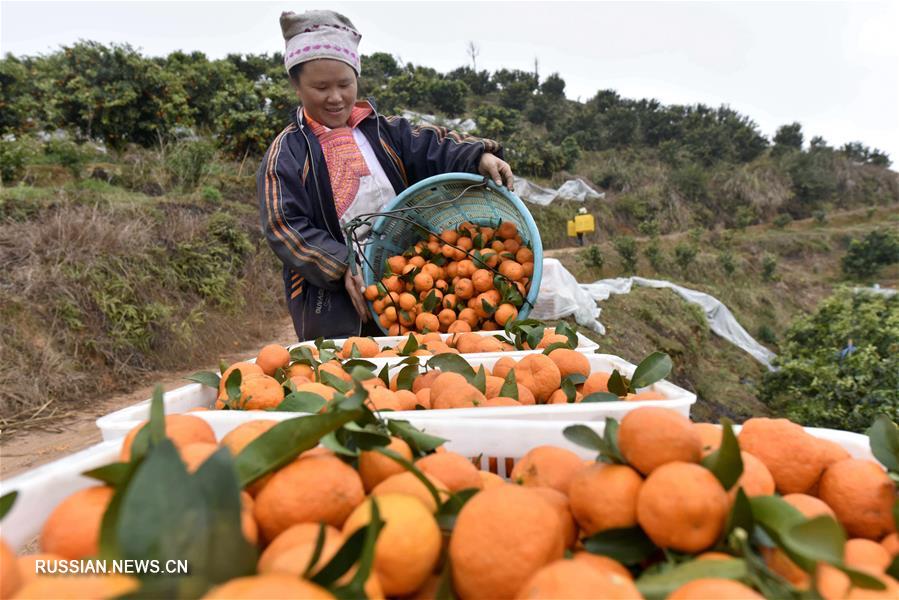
13 156
726 260
839 367
187 162
769 267
782 220
766 334
211 194
820 216
626 247
684 255
592 257
653 253
865 257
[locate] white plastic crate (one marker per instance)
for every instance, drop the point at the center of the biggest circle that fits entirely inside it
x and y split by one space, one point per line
119 423
496 444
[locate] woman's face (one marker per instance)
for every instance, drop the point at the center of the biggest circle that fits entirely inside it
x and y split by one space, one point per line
327 90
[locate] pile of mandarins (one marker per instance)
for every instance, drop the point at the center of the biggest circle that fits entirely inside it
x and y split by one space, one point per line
538 378
466 279
521 538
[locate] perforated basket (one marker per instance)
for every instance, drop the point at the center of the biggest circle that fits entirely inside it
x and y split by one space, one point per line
486 204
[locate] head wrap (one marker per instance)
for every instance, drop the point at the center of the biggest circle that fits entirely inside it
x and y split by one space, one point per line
320 34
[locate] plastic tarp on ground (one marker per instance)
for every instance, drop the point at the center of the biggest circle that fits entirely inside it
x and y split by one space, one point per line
466 126
562 296
573 189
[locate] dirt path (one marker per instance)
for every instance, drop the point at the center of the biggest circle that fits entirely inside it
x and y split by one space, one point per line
22 450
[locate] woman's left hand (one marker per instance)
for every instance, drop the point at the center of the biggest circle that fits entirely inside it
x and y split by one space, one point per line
496 169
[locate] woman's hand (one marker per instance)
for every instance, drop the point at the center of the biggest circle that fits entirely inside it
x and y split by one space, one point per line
496 169
354 287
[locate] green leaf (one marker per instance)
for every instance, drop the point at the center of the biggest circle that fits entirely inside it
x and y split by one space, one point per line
658 586
818 539
157 416
305 402
354 351
651 369
420 442
114 474
286 440
358 548
332 380
223 366
316 552
488 308
452 363
232 389
618 384
629 546
368 437
893 569
612 453
584 437
207 378
6 502
510 386
384 375
406 377
884 439
445 585
564 328
726 463
302 355
740 515
570 390
358 363
600 397
576 378
479 380
430 301
410 346
449 510
555 346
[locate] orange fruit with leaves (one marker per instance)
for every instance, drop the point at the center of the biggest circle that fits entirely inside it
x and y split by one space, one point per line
73 528
650 437
604 497
547 466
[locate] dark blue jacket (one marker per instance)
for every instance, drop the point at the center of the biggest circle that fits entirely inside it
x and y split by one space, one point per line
299 219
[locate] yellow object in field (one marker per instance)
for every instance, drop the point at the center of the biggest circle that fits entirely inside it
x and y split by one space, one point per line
584 224
572 231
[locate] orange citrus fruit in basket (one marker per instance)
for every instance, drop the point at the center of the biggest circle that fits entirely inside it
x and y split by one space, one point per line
374 467
454 470
577 579
595 383
650 437
539 374
194 455
809 506
380 398
407 483
502 367
365 346
683 507
79 586
10 577
891 544
710 435
73 528
866 555
296 535
862 496
180 429
714 589
547 466
451 390
502 536
310 489
408 546
794 457
570 362
272 585
489 479
259 392
756 479
271 358
604 497
602 563
559 502
246 369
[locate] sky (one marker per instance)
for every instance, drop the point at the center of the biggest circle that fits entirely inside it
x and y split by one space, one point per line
831 66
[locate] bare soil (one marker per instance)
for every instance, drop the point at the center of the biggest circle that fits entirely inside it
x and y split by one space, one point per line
46 439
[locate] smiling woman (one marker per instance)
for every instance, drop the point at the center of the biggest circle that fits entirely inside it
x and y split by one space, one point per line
338 159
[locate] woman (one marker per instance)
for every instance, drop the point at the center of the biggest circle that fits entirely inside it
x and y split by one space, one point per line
339 158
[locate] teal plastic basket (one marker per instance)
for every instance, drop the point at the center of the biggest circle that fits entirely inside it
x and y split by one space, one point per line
480 204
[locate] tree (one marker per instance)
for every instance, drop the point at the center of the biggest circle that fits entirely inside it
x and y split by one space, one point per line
553 86
788 137
473 52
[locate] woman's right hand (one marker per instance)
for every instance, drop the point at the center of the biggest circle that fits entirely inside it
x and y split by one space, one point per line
355 286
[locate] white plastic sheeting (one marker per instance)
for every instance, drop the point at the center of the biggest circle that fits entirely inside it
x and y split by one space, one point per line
573 189
561 296
466 126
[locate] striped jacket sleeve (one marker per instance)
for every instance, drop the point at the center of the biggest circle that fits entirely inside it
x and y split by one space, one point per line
286 215
427 150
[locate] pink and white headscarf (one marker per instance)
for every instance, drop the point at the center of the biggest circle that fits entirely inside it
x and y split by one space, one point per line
320 34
